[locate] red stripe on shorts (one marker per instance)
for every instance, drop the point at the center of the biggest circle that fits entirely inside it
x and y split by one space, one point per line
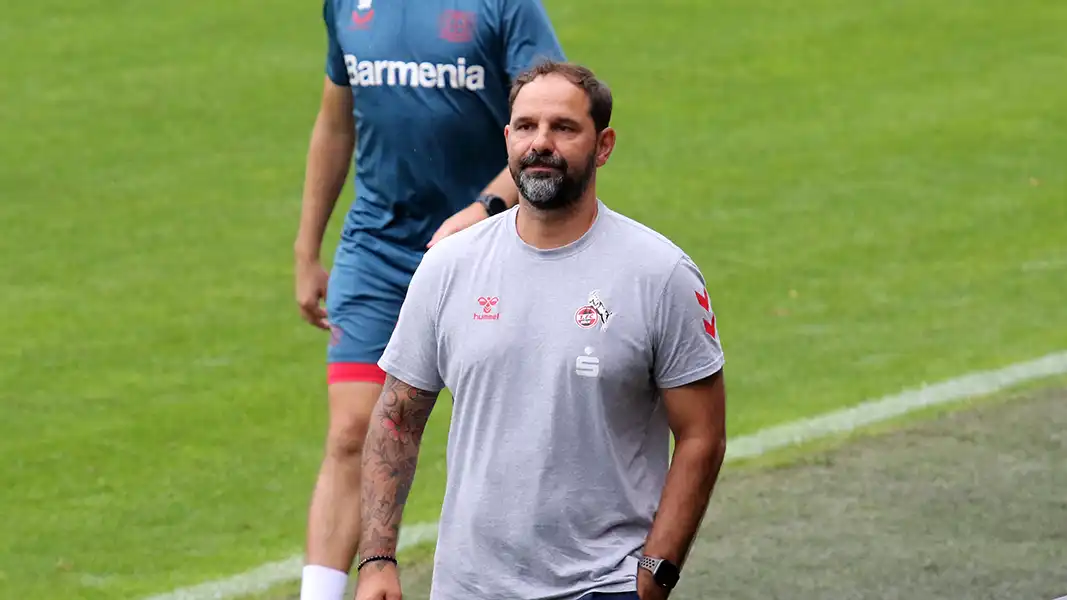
347 372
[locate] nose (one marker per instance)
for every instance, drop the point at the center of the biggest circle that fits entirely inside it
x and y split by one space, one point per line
542 142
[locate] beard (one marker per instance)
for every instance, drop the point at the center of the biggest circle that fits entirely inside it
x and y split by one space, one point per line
551 190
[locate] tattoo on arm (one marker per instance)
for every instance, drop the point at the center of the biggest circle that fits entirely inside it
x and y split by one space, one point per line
390 455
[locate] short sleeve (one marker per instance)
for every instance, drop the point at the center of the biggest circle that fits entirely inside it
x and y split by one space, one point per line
685 334
335 58
529 37
412 352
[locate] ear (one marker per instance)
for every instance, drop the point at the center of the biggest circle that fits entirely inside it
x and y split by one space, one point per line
604 146
507 132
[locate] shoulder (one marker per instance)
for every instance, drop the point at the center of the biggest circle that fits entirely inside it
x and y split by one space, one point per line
334 17
512 5
650 258
329 11
646 247
510 10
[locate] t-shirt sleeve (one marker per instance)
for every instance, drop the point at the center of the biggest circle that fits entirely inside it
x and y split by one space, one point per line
412 352
335 58
685 335
529 37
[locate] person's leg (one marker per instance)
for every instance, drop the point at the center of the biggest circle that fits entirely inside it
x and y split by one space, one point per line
334 515
362 312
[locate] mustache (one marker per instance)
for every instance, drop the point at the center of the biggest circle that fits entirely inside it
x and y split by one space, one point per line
535 159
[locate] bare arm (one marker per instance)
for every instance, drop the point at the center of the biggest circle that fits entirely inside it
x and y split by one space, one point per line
502 185
328 159
390 455
697 416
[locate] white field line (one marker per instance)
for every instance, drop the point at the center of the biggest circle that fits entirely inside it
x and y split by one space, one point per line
264 577
846 420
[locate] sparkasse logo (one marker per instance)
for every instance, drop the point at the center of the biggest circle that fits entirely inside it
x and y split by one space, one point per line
371 73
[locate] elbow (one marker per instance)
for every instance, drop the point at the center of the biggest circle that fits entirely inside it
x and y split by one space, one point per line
713 450
333 126
713 459
709 448
334 135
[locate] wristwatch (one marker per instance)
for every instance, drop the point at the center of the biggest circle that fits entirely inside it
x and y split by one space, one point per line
664 572
494 205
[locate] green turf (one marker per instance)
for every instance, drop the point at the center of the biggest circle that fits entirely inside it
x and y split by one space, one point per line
874 192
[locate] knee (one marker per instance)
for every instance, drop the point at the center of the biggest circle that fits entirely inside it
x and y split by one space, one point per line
344 442
351 405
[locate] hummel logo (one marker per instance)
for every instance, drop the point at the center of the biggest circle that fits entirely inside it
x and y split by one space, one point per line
487 303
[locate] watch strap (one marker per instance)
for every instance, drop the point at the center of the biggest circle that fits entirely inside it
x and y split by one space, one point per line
650 564
664 573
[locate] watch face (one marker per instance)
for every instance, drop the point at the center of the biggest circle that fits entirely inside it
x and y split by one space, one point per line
667 574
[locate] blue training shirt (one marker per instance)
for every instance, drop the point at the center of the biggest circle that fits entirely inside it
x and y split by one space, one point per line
430 82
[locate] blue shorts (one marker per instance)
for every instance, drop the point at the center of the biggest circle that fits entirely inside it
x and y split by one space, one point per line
367 285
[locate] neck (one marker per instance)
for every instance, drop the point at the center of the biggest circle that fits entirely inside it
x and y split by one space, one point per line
547 229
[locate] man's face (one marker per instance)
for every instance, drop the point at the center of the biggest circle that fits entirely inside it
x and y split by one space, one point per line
552 143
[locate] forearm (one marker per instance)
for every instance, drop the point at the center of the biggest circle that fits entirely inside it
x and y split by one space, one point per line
388 472
328 160
684 501
504 186
390 455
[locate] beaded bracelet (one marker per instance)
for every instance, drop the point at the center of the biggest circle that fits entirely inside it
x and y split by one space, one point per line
374 558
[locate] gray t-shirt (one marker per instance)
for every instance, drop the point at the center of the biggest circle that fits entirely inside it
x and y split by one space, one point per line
559 446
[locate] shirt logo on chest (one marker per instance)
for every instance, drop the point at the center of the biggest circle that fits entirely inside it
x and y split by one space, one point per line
487 304
361 17
588 365
457 26
400 73
595 311
586 317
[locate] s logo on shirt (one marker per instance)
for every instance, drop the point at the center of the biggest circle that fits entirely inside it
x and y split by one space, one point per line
587 366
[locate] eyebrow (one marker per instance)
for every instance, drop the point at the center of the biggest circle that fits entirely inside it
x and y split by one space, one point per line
556 120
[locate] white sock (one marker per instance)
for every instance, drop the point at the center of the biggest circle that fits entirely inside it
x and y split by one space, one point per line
322 583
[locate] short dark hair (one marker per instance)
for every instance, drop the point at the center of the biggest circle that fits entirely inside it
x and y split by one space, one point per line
596 90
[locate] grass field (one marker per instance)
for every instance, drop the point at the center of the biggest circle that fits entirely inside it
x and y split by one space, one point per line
875 192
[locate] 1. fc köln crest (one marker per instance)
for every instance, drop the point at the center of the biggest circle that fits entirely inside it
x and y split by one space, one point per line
594 312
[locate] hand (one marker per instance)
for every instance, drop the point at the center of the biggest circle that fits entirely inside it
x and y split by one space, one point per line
378 580
458 222
648 589
311 281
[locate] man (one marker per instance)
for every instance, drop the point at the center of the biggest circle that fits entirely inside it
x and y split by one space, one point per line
422 87
574 341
